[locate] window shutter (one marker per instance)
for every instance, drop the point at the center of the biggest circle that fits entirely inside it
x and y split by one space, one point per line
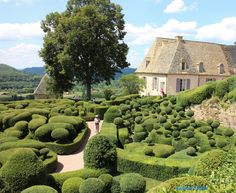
188 83
157 83
153 82
177 85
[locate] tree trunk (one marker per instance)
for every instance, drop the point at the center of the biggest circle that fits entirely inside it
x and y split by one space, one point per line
88 91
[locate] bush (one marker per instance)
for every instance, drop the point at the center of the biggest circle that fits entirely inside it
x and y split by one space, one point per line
210 160
205 129
175 134
39 189
22 126
22 170
118 121
100 153
212 142
112 113
43 133
148 124
191 151
189 113
222 87
228 132
162 119
44 152
221 143
60 134
138 137
36 123
138 119
72 185
149 151
107 179
115 187
163 151
167 125
92 185
192 142
4 187
25 116
189 134
209 134
215 124
132 183
100 111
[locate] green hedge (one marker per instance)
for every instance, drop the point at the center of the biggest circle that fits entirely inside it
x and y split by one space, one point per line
150 167
112 113
92 185
40 189
100 110
72 185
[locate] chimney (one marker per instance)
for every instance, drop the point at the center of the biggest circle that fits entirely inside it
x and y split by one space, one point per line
179 38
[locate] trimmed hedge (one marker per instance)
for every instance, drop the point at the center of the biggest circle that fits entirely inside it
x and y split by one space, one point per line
22 170
100 153
107 179
92 185
100 111
72 185
132 183
163 151
36 123
39 189
112 113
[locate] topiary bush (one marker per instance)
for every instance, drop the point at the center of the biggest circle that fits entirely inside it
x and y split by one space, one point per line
4 187
22 170
191 151
138 137
189 134
148 124
222 87
163 150
43 133
192 142
39 189
92 185
112 113
60 134
132 183
118 121
100 153
115 187
72 185
228 132
107 179
36 123
215 124
189 113
149 151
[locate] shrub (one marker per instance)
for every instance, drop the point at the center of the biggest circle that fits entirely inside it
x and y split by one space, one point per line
138 137
189 134
118 121
228 132
115 187
22 126
148 124
43 133
92 185
149 151
25 116
60 134
132 183
191 151
4 187
168 110
205 129
138 128
189 113
172 185
175 134
14 133
44 152
39 189
138 119
22 170
36 123
100 153
163 150
204 148
222 87
112 113
215 124
107 179
209 134
167 125
72 185
212 142
192 142
162 119
221 143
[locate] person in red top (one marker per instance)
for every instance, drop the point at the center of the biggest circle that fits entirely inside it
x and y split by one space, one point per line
162 93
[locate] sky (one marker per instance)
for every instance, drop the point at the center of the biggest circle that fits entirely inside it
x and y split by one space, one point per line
21 37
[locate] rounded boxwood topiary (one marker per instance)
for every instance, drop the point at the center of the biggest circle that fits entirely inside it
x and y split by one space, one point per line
167 126
162 119
60 134
139 136
221 143
148 124
165 103
215 124
36 123
205 129
4 187
191 151
92 185
44 152
163 150
175 134
72 185
107 180
168 110
21 126
228 132
192 142
182 113
118 121
189 134
43 133
138 119
132 183
115 187
23 169
167 133
149 151
112 113
40 189
100 153
189 113
212 142
209 134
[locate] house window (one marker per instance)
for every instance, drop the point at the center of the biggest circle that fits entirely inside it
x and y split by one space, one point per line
221 69
201 67
210 79
182 84
183 65
155 83
145 80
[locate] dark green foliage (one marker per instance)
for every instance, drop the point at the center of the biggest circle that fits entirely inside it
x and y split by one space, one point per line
107 179
168 110
222 87
167 125
148 124
22 170
209 134
149 151
60 134
43 133
22 126
72 185
25 116
100 111
189 113
138 119
189 134
162 119
163 151
205 129
228 132
139 136
179 143
215 124
44 151
115 187
132 183
36 123
191 151
4 187
221 143
212 142
118 121
165 103
112 113
100 153
39 189
192 142
92 185
175 134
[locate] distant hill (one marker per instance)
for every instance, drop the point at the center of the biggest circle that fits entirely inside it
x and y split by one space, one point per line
8 72
41 71
35 71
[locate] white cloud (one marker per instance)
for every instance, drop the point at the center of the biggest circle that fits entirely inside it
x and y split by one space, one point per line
177 6
21 56
224 30
143 35
17 2
14 31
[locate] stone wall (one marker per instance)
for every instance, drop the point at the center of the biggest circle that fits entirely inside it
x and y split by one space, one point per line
227 117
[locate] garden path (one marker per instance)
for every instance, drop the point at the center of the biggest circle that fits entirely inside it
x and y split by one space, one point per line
75 161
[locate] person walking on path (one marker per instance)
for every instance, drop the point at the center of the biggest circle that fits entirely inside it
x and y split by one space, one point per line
96 124
162 93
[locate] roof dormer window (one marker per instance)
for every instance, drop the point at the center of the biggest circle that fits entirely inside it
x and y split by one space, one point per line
221 69
201 67
184 65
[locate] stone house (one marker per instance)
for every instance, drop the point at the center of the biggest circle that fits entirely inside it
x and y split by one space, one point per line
176 65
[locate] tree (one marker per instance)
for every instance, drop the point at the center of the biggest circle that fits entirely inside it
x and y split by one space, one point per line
84 43
132 84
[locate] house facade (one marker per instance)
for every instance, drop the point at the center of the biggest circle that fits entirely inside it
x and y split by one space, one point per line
176 65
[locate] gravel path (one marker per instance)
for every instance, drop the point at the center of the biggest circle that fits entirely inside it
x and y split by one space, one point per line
75 161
